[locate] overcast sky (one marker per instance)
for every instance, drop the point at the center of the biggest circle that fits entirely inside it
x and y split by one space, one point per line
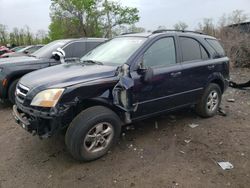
35 13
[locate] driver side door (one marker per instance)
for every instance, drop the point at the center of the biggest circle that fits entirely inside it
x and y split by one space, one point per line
161 93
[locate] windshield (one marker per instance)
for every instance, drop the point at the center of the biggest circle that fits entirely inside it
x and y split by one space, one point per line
46 51
116 51
23 49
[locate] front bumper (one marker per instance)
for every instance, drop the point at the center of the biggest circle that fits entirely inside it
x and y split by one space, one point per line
42 126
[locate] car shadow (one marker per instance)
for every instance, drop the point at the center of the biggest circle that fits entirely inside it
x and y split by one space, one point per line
5 105
55 150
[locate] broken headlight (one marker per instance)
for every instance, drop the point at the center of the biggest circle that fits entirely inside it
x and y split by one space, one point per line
47 98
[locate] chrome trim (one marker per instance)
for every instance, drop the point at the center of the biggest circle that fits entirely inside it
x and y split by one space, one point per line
19 92
23 87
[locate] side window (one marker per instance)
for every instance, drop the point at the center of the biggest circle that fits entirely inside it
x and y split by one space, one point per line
204 53
92 45
75 49
192 50
161 53
216 47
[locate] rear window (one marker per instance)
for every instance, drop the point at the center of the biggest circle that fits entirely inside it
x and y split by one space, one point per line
219 51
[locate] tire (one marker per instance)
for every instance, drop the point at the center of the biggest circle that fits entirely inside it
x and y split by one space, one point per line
210 101
80 137
11 91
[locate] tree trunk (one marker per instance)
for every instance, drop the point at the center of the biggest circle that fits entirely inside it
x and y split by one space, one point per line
109 32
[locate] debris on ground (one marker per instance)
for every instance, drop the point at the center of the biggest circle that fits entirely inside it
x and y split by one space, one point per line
230 100
239 85
225 165
222 112
130 127
182 152
193 125
187 141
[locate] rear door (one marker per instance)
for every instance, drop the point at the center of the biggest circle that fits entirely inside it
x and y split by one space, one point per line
197 66
160 94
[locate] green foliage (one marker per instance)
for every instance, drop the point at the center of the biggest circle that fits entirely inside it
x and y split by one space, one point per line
88 18
22 36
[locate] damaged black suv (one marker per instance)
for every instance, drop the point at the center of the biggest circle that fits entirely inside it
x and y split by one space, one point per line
129 78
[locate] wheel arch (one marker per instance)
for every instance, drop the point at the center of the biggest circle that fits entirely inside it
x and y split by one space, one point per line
87 103
218 79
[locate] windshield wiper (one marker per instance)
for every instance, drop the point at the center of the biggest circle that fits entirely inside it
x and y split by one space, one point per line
91 62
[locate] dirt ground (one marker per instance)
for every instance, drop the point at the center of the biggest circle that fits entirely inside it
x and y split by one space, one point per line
159 152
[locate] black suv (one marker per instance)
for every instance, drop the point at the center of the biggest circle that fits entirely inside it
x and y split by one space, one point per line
12 69
129 78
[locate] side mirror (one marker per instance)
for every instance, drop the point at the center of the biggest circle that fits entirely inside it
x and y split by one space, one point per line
59 55
149 75
25 52
146 72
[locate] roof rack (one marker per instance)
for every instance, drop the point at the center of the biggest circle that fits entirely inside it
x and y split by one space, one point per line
183 31
129 33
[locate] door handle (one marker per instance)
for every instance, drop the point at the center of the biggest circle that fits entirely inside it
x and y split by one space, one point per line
175 74
210 67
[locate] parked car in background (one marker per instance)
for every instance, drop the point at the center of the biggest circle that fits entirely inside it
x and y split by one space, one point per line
12 69
23 51
17 48
126 79
4 50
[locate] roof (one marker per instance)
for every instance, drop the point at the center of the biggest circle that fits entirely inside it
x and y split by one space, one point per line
243 27
83 39
239 24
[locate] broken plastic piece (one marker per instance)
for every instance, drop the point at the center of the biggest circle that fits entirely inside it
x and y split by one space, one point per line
230 100
126 82
192 125
187 141
222 112
225 165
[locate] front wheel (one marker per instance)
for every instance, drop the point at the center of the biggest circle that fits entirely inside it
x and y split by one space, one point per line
92 133
210 101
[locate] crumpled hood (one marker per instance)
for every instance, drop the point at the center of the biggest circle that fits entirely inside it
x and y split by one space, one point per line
17 61
66 75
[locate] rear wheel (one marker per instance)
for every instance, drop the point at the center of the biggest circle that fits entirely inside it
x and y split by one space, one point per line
92 133
210 101
12 90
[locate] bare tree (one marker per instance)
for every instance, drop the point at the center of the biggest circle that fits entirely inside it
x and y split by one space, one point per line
237 16
180 26
3 34
207 26
160 27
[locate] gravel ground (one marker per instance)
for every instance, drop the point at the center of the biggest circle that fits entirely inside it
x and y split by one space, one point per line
159 152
